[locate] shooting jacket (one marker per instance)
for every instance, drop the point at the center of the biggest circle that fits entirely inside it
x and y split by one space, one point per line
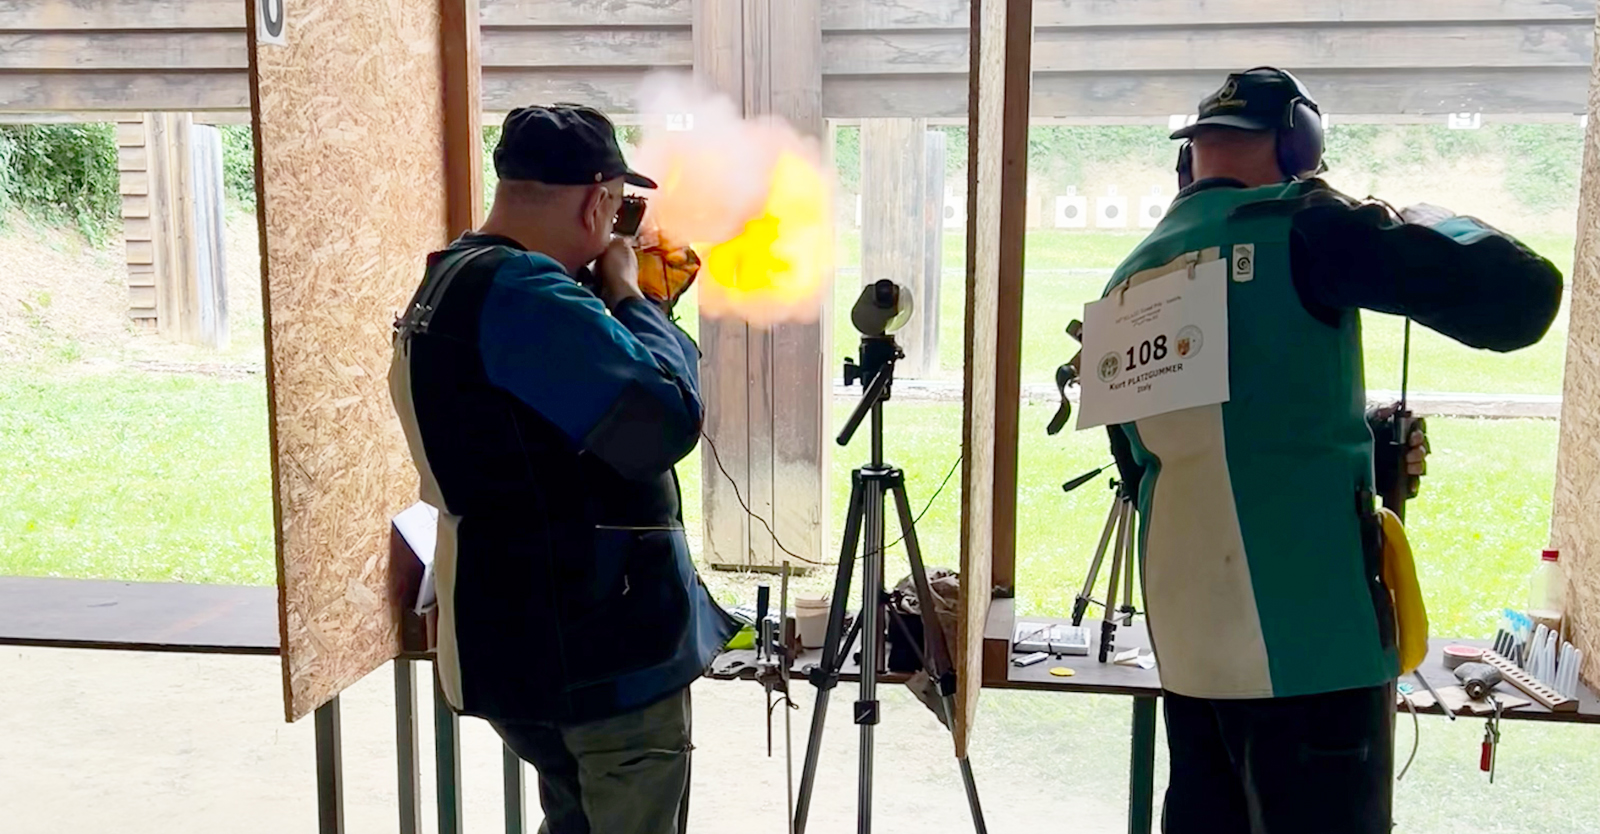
1259 547
545 431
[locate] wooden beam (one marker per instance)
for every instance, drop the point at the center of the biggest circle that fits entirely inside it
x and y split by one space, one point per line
925 14
588 47
124 91
997 164
463 114
894 240
611 90
587 12
122 14
761 490
1116 96
125 50
1574 525
1300 48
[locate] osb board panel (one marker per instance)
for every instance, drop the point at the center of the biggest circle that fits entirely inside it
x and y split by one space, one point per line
997 167
1575 521
350 180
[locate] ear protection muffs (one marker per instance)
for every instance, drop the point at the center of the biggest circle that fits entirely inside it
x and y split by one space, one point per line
1299 136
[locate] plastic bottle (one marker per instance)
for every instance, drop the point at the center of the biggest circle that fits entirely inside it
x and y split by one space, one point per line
1547 590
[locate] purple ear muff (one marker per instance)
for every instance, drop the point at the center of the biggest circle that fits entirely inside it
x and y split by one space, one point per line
1300 142
1185 164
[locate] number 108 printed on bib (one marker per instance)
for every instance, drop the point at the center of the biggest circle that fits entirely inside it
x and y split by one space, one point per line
1157 347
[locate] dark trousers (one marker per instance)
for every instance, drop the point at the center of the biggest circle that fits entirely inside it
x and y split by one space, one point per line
622 775
1307 765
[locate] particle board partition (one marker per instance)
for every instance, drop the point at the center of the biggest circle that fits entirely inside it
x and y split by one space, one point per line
350 181
1575 522
1002 35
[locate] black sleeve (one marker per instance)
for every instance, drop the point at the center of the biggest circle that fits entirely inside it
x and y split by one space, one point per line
1462 278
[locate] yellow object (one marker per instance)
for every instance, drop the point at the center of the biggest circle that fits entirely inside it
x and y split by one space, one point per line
1062 672
1400 575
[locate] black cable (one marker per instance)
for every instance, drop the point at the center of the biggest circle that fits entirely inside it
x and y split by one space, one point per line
718 458
715 456
931 499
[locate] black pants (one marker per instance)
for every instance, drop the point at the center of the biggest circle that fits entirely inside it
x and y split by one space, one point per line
622 775
1307 765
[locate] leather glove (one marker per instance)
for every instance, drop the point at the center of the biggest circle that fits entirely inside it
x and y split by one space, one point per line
666 270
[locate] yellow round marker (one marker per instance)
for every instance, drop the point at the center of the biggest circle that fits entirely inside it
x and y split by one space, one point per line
1062 672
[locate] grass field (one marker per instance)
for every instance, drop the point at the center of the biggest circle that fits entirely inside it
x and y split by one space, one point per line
152 476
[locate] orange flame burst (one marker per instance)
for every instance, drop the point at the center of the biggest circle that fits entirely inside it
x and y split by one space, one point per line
753 197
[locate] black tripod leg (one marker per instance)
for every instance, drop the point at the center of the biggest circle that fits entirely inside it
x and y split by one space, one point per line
834 651
938 659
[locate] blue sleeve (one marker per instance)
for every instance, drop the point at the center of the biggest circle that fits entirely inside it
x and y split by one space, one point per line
619 387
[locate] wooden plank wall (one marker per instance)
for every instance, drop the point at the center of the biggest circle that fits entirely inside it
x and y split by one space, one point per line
1151 58
138 226
766 390
1117 60
1574 523
171 183
347 217
997 167
123 55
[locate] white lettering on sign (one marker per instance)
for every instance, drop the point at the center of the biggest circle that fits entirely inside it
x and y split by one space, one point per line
270 22
1157 347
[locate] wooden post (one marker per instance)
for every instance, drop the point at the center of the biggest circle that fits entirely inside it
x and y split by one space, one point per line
894 232
210 251
933 247
766 390
997 163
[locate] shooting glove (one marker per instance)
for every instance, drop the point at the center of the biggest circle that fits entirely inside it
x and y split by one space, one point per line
666 270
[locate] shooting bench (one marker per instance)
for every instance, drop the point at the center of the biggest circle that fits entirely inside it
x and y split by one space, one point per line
1143 686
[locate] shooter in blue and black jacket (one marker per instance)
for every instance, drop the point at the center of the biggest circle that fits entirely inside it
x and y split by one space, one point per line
545 419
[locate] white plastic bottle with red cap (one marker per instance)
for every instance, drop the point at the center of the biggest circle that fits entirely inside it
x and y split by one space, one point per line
1547 591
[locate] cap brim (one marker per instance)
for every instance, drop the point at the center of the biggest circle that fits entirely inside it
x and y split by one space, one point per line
638 180
1235 122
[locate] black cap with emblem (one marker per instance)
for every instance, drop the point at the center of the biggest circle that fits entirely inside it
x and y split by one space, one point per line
1263 98
1260 99
563 144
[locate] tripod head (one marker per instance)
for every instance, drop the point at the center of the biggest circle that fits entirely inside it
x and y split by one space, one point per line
882 308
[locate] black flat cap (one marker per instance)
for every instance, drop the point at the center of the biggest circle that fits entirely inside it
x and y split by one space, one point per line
1257 99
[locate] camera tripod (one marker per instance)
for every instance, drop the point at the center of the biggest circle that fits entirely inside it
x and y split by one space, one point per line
1118 529
869 485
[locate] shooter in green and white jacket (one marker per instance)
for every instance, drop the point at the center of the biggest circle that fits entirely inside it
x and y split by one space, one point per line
1260 556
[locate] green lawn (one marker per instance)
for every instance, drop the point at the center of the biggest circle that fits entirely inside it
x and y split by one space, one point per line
141 476
155 477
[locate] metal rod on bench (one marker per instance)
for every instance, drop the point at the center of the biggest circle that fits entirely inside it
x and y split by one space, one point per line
516 793
330 769
407 754
447 746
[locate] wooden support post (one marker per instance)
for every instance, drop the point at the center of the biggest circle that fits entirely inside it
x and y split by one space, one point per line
894 232
997 163
766 390
933 246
